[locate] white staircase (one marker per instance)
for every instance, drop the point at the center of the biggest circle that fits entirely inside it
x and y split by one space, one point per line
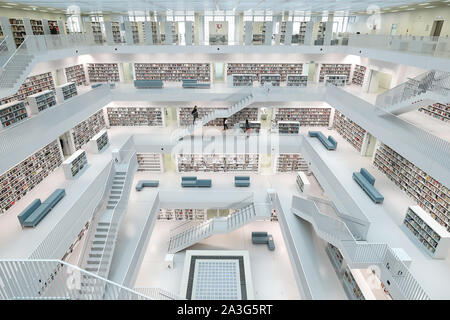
361 254
199 232
238 106
427 88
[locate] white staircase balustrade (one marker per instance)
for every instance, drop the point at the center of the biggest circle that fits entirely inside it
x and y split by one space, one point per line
57 280
191 236
238 106
431 86
360 255
158 294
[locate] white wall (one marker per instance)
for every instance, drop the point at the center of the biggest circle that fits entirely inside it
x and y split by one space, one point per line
417 22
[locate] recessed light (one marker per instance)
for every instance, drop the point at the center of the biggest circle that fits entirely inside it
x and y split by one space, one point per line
430 7
410 9
394 11
423 4
51 9
403 7
6 7
28 9
11 4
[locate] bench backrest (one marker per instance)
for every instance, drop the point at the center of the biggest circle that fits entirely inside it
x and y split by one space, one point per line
331 139
237 178
188 178
367 176
189 80
148 83
29 210
257 234
55 195
313 133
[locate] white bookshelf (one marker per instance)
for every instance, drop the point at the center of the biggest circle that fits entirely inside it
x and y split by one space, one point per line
76 74
439 111
41 101
66 91
306 116
99 142
173 72
150 162
336 79
273 79
290 162
74 164
336 258
238 162
358 75
296 80
255 126
243 80
103 72
182 214
256 69
288 127
303 183
334 69
349 130
135 116
12 113
351 286
427 232
429 193
88 128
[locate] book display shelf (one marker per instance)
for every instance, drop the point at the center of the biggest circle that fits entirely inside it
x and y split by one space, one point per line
18 31
358 75
438 110
273 79
76 74
282 31
349 130
36 26
97 31
135 116
32 85
217 162
290 162
257 69
88 128
300 37
41 101
103 72
66 91
336 258
321 28
296 80
115 28
303 183
182 214
288 127
351 286
150 162
336 79
319 117
23 177
430 234
243 80
99 142
429 193
135 32
255 126
74 164
12 113
334 69
172 71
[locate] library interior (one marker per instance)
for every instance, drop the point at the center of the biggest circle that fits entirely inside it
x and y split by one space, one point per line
225 150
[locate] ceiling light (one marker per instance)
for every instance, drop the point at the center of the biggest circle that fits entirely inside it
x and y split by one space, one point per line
403 7
423 4
394 11
411 9
51 9
28 9
430 7
6 7
11 4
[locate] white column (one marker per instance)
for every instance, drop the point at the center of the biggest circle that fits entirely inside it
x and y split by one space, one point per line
45 26
309 33
188 32
268 33
128 32
248 33
109 33
148 33
288 35
168 32
328 33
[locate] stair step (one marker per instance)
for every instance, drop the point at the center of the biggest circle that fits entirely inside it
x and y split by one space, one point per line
91 262
104 224
110 207
114 197
100 235
115 192
121 173
102 229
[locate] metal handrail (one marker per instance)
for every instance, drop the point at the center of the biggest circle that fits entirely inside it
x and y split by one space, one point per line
15 52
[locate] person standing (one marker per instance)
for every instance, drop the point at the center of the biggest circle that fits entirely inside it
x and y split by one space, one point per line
194 114
225 124
247 127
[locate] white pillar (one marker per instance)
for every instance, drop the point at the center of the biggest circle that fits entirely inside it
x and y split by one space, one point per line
109 33
288 35
148 33
268 33
248 33
188 32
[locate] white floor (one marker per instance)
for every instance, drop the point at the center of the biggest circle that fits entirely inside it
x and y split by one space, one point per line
264 264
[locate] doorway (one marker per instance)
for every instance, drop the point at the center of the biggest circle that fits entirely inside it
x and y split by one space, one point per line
219 71
368 146
66 143
379 81
311 71
436 28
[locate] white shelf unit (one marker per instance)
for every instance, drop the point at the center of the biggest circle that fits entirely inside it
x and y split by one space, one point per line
36 26
41 101
288 127
429 193
88 128
12 113
23 177
336 258
150 162
66 91
97 32
99 142
306 116
303 183
300 37
135 32
426 231
243 80
290 162
349 130
255 126
76 74
182 214
173 72
237 162
296 80
115 29
18 31
358 75
273 79
334 69
103 72
336 79
439 111
135 116
256 69
351 286
74 164
30 86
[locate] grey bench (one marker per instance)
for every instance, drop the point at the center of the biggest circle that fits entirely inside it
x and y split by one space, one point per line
241 181
146 183
194 84
96 85
36 211
259 237
148 84
329 143
194 182
366 181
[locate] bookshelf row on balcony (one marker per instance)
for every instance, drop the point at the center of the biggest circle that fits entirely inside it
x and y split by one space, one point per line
349 130
306 116
289 162
151 162
103 72
217 162
88 128
172 71
76 74
135 116
182 214
439 111
257 69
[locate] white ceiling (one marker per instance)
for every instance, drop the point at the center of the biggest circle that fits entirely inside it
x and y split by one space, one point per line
121 6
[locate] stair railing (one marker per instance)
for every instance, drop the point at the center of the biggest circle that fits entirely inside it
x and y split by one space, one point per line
14 60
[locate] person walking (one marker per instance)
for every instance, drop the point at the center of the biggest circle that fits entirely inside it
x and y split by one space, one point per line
194 114
225 124
247 127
